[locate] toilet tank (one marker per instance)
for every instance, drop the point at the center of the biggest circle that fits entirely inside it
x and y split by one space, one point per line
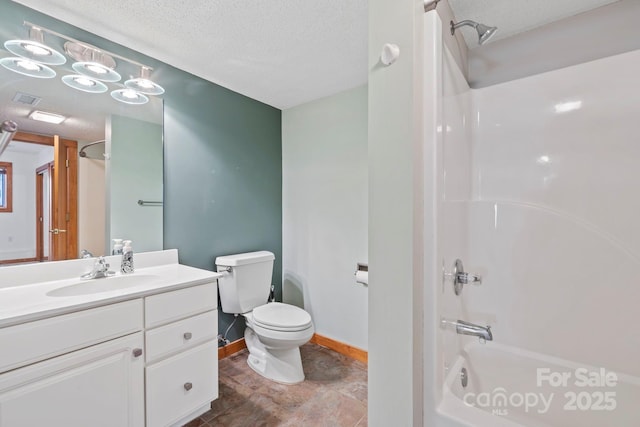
246 281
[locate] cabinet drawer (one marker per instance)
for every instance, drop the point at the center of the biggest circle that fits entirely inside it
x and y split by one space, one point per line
180 335
171 306
181 384
33 341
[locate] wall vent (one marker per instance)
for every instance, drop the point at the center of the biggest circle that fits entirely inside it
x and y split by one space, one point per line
25 98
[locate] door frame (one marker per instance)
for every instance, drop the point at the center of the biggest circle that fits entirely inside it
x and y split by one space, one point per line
64 209
40 230
69 207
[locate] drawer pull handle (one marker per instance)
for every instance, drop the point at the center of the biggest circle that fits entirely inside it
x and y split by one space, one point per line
137 352
187 335
188 386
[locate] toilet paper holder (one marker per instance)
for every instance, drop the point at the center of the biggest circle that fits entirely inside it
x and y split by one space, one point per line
361 266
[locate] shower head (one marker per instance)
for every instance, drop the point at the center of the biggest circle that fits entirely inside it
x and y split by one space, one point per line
484 32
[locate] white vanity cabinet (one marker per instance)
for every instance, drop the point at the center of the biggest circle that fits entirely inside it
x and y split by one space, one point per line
100 385
182 354
148 361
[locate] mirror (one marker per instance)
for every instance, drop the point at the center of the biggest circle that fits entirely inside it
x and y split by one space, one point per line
111 150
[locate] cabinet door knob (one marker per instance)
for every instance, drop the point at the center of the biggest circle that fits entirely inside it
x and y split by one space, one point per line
188 386
137 352
187 335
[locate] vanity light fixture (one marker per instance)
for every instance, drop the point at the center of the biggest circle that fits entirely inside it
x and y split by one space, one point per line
92 62
142 84
84 83
129 96
93 65
43 116
34 49
27 67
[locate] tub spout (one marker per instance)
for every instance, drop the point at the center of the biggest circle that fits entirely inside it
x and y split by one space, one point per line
466 328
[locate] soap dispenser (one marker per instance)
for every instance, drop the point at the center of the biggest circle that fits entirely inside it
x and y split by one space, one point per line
117 247
127 257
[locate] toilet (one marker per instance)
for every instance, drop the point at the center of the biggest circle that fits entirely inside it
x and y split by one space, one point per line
275 331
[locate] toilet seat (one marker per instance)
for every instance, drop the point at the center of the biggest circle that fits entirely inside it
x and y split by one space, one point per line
277 316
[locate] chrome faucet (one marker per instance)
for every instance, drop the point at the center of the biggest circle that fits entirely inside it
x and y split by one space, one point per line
466 328
461 277
85 254
100 270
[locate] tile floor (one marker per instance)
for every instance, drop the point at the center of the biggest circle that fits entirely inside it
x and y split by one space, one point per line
334 394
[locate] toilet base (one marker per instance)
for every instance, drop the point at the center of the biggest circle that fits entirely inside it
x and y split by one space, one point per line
280 365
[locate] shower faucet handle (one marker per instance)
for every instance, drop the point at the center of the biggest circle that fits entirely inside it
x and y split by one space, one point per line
461 277
469 279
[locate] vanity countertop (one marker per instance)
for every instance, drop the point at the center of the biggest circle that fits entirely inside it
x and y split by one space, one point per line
33 301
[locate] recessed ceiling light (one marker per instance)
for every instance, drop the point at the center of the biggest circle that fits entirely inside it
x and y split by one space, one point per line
43 116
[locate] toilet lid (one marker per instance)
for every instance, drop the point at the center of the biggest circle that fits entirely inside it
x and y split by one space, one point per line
281 316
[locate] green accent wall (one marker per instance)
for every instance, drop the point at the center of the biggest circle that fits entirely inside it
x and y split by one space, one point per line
223 177
222 160
134 173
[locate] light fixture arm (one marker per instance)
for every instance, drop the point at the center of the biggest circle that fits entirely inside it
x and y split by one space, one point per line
41 29
35 34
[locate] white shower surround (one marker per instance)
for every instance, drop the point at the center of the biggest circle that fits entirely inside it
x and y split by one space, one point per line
541 204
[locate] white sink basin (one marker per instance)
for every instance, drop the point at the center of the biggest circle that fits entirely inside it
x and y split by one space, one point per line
94 286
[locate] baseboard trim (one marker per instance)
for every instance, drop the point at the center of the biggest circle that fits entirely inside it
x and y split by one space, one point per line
231 348
337 346
340 347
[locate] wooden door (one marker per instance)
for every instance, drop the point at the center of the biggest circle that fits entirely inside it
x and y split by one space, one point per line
64 209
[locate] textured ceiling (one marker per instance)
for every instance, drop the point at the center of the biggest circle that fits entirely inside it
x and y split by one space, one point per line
516 16
280 52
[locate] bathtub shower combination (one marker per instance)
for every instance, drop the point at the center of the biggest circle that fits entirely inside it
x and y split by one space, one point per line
536 187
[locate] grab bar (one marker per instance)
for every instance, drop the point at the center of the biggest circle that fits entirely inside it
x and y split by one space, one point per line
149 203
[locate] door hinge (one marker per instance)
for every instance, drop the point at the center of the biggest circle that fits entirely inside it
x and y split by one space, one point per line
66 163
67 217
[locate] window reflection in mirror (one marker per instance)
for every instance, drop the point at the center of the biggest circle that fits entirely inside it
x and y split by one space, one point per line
6 186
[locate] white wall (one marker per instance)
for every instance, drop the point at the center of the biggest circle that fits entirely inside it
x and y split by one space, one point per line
91 204
17 228
324 212
396 195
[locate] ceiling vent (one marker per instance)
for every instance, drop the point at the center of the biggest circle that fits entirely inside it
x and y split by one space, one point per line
25 98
